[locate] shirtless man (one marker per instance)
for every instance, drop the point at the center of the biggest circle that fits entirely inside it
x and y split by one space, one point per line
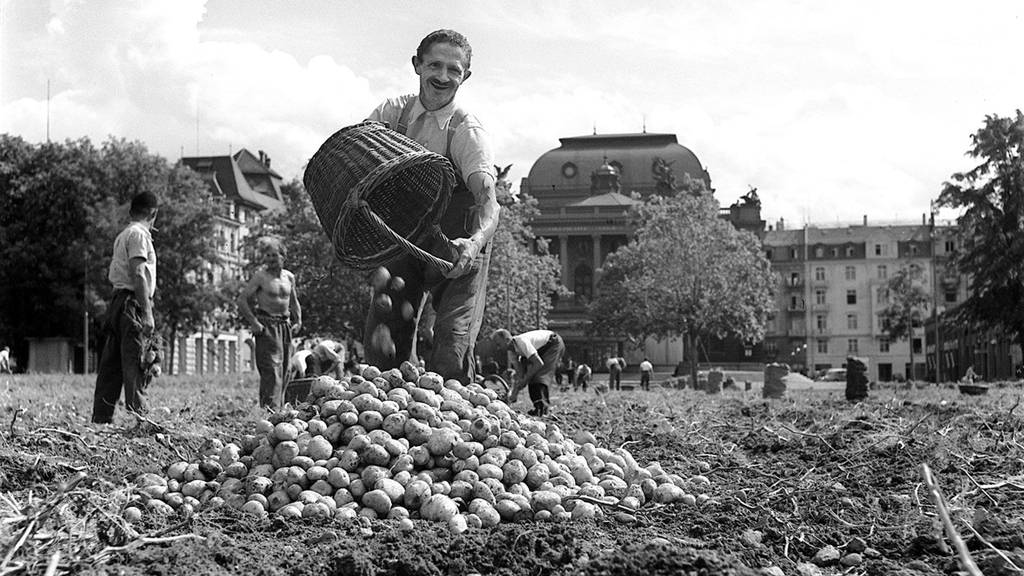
276 317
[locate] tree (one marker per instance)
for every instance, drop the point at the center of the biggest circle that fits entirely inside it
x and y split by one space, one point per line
907 300
45 192
522 275
990 250
61 207
686 272
334 298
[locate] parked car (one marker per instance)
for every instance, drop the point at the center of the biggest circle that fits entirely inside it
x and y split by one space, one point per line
833 375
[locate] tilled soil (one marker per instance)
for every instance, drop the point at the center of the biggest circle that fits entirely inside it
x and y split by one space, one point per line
810 484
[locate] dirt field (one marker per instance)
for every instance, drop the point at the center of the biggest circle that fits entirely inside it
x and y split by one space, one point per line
806 485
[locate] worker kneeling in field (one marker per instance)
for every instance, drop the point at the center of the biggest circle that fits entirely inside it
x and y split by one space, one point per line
534 354
326 358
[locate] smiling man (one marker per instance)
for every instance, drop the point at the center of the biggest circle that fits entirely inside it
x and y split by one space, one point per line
432 118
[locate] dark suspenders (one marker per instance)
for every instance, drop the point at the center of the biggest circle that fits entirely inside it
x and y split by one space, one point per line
457 220
457 118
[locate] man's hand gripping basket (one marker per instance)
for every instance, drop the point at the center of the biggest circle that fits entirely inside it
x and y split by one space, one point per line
379 196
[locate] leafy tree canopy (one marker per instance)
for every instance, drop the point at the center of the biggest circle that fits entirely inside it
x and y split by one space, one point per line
991 226
686 272
61 206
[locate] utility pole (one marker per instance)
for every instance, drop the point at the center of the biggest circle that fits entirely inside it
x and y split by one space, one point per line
85 310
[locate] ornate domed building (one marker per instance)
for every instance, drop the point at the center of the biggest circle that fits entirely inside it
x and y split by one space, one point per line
584 192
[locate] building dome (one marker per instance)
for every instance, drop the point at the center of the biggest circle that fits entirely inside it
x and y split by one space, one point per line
638 161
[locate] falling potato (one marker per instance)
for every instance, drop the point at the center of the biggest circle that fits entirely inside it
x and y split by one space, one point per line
397 284
382 302
379 279
407 310
381 340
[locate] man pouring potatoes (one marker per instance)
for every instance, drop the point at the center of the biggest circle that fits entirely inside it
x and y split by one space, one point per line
432 118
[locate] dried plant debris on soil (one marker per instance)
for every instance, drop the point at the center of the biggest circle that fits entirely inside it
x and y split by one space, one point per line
806 485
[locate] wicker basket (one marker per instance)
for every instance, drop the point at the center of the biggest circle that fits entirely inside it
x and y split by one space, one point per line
379 196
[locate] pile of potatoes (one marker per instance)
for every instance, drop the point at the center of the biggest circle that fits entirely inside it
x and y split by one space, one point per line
406 444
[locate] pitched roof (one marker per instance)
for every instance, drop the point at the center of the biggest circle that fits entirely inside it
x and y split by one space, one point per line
224 175
606 199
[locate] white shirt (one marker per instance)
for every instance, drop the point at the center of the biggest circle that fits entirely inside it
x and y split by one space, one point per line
134 241
527 343
646 366
471 145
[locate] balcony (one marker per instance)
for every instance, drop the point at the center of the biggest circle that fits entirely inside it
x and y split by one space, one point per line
817 331
796 307
819 307
799 331
794 283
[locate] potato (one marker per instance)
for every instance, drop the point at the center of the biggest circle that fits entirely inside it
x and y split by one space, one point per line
457 524
304 462
399 513
421 456
338 477
342 497
315 473
417 432
285 431
255 508
370 419
462 490
584 511
507 509
277 499
544 500
322 487
668 493
416 494
376 455
438 508
319 448
371 474
349 460
489 517
394 424
393 489
364 402
378 500
489 471
395 448
441 441
513 472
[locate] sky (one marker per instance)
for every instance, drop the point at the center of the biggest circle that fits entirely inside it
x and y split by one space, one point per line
834 110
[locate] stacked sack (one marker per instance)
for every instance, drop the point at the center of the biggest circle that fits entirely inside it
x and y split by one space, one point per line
407 444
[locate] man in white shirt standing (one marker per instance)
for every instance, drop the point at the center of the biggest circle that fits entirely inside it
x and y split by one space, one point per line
129 325
646 370
433 119
540 351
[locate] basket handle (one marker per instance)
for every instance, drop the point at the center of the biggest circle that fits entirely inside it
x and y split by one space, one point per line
442 266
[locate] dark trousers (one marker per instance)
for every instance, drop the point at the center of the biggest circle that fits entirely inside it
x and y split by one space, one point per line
615 378
273 350
120 364
539 385
645 380
458 307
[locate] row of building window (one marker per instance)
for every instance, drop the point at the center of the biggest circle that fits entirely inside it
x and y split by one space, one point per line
850 251
852 346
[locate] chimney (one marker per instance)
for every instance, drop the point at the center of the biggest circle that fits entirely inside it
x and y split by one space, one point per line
865 219
262 157
781 225
924 219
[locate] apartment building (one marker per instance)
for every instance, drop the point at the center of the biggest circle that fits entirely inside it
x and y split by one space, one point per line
248 187
832 293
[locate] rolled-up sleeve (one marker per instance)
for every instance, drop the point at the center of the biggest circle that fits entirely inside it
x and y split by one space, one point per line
471 149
